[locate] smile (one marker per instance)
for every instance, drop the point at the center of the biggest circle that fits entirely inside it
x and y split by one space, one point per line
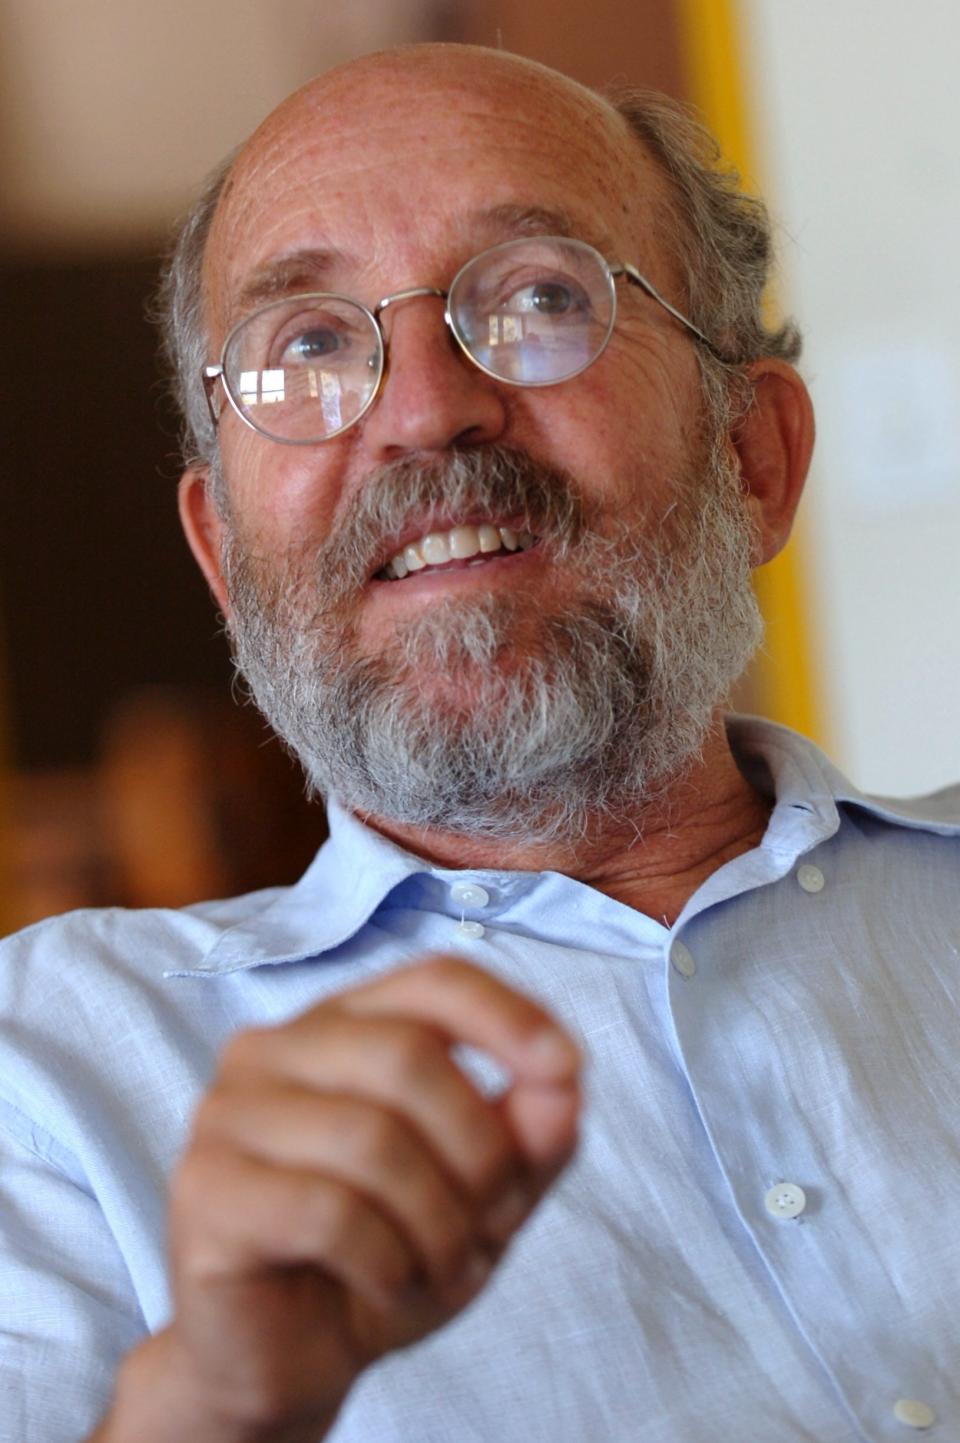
475 544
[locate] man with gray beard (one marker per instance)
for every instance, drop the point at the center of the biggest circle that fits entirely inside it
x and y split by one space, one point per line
595 1081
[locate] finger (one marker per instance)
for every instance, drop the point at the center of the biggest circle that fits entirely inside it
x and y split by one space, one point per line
469 1005
547 1119
544 1120
401 1064
266 1216
361 1144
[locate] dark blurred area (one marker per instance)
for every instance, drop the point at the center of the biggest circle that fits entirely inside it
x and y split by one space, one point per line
136 779
100 590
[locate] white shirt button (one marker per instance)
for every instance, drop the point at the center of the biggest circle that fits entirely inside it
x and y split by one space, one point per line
786 1200
914 1413
470 929
682 960
810 878
469 894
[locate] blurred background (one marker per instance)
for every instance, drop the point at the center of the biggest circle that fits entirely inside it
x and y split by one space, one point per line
128 773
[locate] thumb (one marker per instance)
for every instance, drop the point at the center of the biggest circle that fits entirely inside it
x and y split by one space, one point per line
543 1117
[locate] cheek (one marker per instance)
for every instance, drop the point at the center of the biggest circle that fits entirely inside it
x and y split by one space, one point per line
658 381
278 494
624 429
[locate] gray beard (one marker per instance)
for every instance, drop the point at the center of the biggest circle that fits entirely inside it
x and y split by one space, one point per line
453 726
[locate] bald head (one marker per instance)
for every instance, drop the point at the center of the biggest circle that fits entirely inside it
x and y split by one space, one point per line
384 78
377 88
348 136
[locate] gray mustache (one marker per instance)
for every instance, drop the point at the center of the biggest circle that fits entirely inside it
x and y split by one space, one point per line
493 479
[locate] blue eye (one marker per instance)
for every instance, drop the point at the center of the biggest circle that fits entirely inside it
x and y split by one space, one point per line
551 298
310 345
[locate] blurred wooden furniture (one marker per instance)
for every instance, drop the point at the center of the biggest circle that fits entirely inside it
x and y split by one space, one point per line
191 797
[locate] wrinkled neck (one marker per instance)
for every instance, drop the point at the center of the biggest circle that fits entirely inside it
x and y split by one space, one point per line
653 860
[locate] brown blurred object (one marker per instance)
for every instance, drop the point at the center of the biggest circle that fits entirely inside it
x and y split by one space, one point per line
599 43
55 852
191 798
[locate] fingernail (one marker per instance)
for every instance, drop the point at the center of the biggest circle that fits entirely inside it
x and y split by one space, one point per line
554 1048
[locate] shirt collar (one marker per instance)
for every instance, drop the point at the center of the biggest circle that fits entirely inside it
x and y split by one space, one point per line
803 774
356 868
341 889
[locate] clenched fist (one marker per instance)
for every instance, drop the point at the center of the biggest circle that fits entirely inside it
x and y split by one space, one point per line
345 1191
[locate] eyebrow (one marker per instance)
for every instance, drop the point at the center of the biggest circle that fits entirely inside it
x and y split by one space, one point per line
301 270
537 220
309 269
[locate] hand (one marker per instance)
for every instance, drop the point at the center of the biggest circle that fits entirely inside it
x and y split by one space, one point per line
347 1189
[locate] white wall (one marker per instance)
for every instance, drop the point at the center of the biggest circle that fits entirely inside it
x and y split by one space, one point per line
857 114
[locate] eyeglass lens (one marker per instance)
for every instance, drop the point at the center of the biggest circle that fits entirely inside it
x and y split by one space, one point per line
304 368
533 312
529 312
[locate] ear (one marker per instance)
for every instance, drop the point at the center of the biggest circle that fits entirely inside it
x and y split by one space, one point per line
774 442
203 527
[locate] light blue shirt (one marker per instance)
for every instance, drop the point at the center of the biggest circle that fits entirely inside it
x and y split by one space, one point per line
759 1238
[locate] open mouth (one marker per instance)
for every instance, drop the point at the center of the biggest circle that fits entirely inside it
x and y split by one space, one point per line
470 545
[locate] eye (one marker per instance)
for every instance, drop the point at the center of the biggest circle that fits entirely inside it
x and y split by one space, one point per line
551 298
331 335
317 342
558 297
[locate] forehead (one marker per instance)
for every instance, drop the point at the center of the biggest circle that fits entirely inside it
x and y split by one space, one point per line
416 161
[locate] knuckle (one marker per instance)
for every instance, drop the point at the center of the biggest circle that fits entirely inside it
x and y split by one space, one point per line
412 1057
451 1237
369 1137
195 1204
326 1216
492 1156
197 1177
444 969
212 1116
244 1050
339 1226
383 1146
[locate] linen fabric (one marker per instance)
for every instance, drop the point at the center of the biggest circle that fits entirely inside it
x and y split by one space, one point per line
759 1237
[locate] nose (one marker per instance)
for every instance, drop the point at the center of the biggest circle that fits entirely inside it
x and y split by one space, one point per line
433 398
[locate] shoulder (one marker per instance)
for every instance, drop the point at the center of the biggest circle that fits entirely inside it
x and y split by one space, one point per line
110 946
791 767
937 812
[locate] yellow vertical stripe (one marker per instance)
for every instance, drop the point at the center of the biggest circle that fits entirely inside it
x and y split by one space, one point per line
786 678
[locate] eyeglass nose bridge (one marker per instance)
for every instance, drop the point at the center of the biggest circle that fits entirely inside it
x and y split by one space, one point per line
411 294
408 295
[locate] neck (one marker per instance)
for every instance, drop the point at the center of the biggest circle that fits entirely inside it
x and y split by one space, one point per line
653 861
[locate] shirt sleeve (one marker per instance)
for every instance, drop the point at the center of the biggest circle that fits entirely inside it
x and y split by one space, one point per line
68 1312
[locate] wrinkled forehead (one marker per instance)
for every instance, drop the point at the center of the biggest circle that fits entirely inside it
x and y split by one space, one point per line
395 158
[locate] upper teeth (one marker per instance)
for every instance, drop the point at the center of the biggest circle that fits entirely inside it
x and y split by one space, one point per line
458 544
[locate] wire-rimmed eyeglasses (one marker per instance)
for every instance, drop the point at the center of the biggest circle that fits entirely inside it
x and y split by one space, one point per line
530 312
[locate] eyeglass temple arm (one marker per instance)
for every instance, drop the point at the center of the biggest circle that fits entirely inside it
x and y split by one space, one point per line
637 279
211 375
